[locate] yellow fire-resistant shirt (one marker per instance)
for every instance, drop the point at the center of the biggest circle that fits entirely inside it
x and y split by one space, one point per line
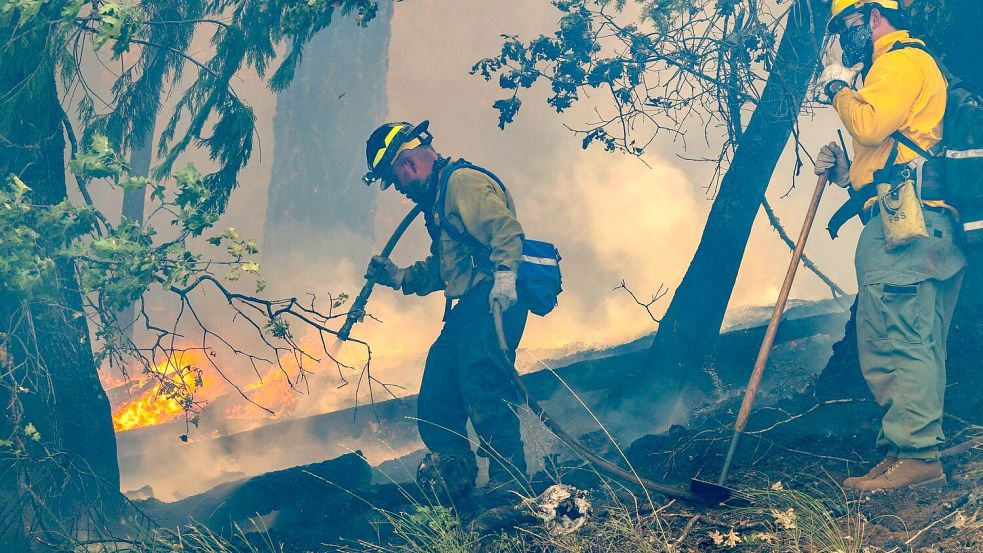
905 91
476 206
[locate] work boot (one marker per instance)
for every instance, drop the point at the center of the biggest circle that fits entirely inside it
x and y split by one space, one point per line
905 473
878 470
447 476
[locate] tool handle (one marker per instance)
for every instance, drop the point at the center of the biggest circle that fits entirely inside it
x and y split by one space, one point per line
843 145
602 464
357 310
776 317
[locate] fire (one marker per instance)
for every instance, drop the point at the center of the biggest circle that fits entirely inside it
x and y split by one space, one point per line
180 379
272 391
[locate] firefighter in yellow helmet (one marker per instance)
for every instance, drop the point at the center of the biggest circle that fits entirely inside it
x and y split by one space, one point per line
475 254
906 294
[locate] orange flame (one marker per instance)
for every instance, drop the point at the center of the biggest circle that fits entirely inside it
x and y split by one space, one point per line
169 398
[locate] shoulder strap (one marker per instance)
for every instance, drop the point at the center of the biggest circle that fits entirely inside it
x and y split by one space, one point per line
478 248
899 136
899 45
953 81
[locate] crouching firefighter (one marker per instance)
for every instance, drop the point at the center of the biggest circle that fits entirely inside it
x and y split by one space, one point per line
909 266
477 254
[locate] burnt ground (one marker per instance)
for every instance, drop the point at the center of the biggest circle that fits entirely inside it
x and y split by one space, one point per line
804 437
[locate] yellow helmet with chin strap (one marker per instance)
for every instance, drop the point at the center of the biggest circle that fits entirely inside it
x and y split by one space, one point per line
842 8
387 142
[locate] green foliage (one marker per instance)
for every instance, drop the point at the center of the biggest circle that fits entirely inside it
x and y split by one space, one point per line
119 22
33 237
674 60
192 196
98 160
428 529
119 264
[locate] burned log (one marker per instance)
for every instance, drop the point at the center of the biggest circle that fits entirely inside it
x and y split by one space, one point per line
309 496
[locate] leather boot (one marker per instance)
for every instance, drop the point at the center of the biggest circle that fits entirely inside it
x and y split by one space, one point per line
878 470
905 473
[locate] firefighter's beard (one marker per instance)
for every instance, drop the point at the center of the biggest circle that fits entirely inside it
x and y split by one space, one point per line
420 192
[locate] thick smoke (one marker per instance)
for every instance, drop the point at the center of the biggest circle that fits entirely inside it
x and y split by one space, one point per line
612 216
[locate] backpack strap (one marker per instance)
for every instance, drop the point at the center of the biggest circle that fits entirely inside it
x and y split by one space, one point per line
480 252
898 135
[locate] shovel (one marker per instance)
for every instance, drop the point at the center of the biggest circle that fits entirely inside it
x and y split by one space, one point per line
769 341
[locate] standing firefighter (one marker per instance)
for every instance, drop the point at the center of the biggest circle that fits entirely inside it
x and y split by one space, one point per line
476 251
909 272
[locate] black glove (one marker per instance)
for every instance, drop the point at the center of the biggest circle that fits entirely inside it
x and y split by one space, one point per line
385 272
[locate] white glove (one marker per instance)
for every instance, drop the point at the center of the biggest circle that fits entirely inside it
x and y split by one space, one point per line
832 159
385 272
835 72
503 291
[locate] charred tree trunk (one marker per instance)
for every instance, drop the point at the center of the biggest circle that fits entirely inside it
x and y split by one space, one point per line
951 29
52 384
689 330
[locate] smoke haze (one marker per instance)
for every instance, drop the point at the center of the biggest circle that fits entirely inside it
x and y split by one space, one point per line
613 217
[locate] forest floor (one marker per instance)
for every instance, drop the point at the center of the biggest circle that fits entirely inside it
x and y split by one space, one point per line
799 446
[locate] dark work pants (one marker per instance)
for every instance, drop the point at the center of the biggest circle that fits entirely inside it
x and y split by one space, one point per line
466 378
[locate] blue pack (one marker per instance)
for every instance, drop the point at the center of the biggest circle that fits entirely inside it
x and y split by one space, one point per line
538 281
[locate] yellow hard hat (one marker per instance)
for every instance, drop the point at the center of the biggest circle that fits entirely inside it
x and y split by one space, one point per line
839 8
386 142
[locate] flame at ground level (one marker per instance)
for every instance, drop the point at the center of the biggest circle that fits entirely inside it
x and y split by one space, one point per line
178 379
188 380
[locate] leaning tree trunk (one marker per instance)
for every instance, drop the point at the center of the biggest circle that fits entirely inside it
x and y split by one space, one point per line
951 29
690 327
52 384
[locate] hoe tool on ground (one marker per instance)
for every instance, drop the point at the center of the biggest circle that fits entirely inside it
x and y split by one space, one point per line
357 311
776 317
699 490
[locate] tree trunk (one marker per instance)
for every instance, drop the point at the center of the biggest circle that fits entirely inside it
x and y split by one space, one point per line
951 30
54 385
689 330
133 205
323 118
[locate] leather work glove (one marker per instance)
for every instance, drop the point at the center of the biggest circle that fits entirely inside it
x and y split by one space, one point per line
832 159
503 292
385 272
835 73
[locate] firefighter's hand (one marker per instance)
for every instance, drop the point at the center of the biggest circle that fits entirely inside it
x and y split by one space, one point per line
503 291
832 159
385 272
835 76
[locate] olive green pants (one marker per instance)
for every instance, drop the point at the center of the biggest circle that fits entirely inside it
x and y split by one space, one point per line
904 306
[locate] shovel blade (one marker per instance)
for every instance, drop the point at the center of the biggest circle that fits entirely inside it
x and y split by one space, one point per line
715 494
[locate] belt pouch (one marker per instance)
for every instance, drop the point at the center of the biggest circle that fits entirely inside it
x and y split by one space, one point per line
901 213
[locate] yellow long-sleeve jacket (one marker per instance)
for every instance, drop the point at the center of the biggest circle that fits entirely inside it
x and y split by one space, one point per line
476 206
905 91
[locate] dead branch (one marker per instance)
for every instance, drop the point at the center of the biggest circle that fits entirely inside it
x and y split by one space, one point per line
658 295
